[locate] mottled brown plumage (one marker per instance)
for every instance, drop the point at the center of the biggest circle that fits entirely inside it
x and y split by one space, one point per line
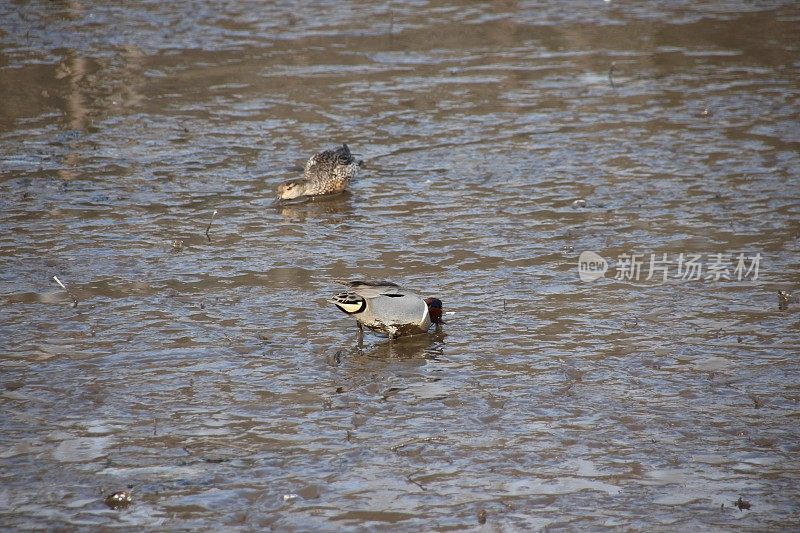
327 172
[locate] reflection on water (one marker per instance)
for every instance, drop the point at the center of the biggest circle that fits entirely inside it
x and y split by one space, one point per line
419 348
209 378
337 209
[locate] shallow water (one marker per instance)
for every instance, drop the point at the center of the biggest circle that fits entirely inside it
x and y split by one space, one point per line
210 376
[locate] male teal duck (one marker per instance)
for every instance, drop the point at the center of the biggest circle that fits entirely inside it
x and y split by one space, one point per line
325 173
387 308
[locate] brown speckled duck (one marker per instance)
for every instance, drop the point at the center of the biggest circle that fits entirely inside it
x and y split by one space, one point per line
325 173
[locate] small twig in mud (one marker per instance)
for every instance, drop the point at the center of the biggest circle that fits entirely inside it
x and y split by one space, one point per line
417 483
784 298
74 300
208 228
630 324
742 504
425 440
59 283
563 391
611 74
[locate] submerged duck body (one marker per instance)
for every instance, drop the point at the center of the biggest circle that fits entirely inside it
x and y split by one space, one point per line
327 172
387 308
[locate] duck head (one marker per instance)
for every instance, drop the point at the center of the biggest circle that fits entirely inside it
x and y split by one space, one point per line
288 190
435 310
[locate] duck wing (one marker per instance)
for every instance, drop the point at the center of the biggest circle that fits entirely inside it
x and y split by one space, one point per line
373 289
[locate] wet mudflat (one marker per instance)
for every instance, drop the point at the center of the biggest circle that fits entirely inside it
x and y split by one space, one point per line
205 375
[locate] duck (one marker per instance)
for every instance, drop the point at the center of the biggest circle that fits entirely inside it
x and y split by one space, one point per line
385 307
325 173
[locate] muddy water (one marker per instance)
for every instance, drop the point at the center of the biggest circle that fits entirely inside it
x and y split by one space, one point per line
208 376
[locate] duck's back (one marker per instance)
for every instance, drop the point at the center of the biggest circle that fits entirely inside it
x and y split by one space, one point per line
328 161
398 310
329 171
